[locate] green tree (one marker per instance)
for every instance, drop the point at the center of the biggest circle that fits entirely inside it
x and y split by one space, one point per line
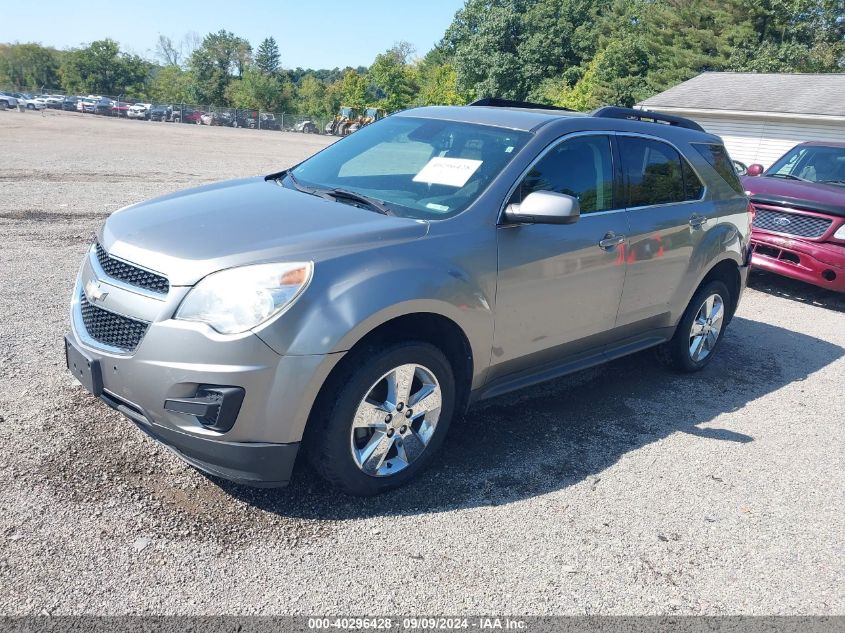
268 59
101 68
258 91
352 90
219 57
333 98
29 65
170 84
483 41
582 53
311 97
439 86
393 79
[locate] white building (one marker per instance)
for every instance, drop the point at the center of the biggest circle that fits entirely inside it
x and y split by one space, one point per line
759 115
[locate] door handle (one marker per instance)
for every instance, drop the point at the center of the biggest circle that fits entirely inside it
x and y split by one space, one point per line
610 240
697 221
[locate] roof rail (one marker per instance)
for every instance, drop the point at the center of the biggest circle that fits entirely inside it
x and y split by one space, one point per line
613 112
507 103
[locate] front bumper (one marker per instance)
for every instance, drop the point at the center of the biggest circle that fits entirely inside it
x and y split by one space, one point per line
249 463
817 263
178 360
261 447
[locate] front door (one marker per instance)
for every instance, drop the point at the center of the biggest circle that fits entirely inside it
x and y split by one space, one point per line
559 286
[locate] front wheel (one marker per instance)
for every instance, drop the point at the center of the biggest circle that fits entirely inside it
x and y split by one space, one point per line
701 328
386 422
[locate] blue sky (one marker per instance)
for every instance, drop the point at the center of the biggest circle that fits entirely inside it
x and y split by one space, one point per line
316 34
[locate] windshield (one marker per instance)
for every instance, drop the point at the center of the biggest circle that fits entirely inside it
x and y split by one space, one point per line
811 163
418 168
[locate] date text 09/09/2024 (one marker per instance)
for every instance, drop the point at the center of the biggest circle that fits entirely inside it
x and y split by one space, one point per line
412 623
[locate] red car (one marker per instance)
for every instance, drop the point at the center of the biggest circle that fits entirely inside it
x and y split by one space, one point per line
799 214
187 115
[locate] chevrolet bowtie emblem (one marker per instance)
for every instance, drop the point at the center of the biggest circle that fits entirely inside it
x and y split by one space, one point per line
94 291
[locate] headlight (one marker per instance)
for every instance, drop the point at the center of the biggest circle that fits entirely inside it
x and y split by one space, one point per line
840 233
236 300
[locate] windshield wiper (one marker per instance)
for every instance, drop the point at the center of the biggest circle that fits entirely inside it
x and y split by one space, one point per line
789 177
339 194
354 196
313 191
295 182
833 182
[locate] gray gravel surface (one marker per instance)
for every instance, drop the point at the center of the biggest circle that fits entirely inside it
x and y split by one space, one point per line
621 490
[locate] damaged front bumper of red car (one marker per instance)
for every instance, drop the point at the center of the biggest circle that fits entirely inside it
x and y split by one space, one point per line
818 263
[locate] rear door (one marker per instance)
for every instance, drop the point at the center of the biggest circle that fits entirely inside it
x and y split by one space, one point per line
559 285
666 218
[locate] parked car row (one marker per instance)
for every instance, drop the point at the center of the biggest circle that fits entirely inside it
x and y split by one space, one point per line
23 99
347 121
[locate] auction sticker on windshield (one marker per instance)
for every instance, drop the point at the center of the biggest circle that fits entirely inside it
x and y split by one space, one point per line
452 172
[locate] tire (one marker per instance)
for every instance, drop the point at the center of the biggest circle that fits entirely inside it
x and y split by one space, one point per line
336 446
683 351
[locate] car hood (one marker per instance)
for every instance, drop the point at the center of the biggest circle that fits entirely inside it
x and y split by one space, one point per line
189 234
813 196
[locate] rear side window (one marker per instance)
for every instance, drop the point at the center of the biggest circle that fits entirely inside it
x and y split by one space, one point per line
581 167
719 160
655 173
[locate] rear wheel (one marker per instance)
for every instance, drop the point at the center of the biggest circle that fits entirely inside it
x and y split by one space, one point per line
386 422
701 328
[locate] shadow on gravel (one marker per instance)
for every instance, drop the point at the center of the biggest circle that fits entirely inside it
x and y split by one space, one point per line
794 290
557 434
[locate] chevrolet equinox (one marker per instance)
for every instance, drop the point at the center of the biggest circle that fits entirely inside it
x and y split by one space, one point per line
356 304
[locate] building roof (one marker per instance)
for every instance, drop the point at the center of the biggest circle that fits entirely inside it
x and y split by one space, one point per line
781 93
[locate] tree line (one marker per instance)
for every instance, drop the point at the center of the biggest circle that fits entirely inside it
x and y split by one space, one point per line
574 53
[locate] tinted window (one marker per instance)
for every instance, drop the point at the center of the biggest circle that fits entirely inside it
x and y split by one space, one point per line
654 172
693 187
581 167
719 160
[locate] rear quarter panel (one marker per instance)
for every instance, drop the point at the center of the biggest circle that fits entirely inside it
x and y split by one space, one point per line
726 235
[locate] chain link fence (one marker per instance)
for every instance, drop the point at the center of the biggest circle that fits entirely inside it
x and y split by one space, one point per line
167 112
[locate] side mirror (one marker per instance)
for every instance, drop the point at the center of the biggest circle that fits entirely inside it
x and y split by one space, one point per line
740 168
754 170
545 207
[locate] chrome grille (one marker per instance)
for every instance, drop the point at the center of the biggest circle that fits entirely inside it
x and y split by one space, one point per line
111 329
131 274
790 223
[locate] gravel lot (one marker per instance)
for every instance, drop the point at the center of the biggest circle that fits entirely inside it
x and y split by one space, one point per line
620 490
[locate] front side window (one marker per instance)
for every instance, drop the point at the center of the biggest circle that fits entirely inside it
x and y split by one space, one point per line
655 173
581 167
413 167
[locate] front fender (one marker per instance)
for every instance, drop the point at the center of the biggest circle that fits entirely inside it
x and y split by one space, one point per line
333 317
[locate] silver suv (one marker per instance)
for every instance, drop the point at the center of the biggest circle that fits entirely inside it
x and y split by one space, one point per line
356 304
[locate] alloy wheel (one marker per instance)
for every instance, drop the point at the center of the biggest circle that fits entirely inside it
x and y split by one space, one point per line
706 327
396 420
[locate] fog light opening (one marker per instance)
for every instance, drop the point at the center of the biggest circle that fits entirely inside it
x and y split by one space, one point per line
829 275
